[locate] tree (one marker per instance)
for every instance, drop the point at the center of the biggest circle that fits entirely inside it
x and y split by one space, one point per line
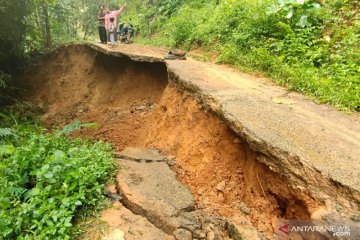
12 32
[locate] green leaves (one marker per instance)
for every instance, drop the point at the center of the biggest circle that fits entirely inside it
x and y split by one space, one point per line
6 132
74 126
33 192
310 46
6 150
303 22
298 13
48 175
46 179
59 155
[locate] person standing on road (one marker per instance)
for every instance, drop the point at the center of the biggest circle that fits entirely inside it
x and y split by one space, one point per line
101 19
113 14
112 32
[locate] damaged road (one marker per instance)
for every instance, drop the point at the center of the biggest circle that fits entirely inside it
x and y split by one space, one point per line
250 153
315 146
148 187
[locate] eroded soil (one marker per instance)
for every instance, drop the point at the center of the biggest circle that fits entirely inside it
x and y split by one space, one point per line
134 105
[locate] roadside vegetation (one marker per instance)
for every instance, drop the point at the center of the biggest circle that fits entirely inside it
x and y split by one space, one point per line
49 181
309 46
32 27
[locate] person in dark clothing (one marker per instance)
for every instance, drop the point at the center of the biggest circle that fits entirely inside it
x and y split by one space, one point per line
101 19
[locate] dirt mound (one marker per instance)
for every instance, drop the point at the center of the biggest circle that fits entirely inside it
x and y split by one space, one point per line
76 78
134 105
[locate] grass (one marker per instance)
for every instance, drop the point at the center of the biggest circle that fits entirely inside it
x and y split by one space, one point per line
307 47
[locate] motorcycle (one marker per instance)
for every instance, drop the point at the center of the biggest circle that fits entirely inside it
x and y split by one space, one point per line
126 33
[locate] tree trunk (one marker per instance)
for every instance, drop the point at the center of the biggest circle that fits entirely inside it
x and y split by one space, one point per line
39 22
45 13
85 32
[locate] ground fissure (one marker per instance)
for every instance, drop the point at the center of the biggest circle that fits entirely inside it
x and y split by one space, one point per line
138 104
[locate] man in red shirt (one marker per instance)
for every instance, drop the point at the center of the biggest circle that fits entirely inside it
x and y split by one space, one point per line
113 14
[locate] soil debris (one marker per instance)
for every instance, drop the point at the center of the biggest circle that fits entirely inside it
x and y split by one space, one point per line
141 105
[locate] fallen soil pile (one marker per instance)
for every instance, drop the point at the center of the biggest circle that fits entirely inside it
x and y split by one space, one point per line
135 105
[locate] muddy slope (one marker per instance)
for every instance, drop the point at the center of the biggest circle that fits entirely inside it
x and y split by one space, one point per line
314 146
78 79
135 104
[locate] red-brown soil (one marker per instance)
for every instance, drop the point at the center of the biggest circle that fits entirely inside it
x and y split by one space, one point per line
134 105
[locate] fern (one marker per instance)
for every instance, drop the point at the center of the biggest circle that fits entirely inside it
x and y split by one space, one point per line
74 126
7 132
16 191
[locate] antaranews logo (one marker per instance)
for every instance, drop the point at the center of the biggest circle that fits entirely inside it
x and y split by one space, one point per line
340 229
285 229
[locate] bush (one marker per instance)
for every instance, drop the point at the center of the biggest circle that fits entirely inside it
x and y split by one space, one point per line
310 47
47 179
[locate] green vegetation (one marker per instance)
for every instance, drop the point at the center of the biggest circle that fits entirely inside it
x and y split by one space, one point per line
48 179
30 26
309 46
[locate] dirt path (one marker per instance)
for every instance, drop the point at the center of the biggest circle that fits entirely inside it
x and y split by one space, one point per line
246 148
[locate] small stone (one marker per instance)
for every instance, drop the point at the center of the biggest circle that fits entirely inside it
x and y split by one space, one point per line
183 234
200 192
114 197
171 162
172 157
190 223
210 235
343 215
245 209
221 186
233 185
199 234
241 228
117 205
338 207
140 108
117 234
356 217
